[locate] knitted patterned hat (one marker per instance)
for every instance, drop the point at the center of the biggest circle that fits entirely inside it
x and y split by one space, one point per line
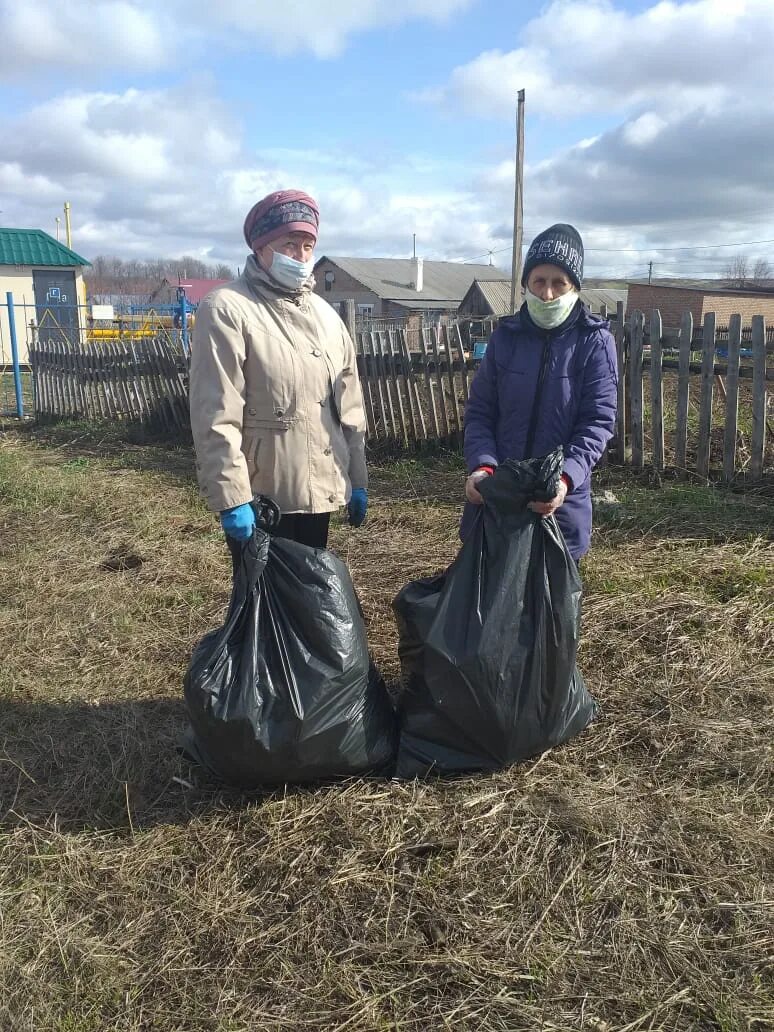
285 211
558 245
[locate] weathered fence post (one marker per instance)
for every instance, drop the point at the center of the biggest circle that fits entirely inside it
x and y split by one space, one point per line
683 378
759 395
17 384
389 383
707 389
620 350
463 361
395 377
428 379
732 397
374 385
365 383
347 313
635 389
436 361
656 390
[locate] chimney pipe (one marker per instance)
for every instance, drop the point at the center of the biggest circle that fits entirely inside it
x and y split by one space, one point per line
419 280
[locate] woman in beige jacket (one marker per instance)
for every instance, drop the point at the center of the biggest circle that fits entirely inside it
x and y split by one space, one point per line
276 406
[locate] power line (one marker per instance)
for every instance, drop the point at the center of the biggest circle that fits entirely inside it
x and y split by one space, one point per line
637 250
686 247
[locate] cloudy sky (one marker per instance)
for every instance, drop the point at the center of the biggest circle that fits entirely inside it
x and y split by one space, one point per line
650 126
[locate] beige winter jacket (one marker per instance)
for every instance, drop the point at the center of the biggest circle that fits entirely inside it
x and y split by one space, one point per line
276 406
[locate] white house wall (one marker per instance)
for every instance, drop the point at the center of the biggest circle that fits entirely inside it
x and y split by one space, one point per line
18 280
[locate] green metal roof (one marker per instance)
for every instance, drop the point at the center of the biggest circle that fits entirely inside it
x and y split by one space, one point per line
34 247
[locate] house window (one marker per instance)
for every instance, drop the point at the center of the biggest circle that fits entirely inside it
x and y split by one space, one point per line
330 276
365 311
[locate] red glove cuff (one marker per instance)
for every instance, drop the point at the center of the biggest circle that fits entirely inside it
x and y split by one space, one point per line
567 482
487 469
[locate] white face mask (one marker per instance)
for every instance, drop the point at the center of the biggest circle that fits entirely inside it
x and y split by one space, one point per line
289 272
550 314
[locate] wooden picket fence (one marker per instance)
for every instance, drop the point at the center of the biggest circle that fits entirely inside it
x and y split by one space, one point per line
679 405
415 384
143 381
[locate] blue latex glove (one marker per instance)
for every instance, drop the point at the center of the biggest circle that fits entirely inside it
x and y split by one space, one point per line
357 506
238 522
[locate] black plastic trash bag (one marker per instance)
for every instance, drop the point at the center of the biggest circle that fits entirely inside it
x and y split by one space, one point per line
284 691
488 649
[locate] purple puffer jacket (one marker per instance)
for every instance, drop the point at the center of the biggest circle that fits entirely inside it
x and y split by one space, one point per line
572 374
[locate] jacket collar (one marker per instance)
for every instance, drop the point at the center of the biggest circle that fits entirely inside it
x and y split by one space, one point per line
580 316
261 283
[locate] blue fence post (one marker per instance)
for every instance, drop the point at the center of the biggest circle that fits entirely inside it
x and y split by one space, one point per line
183 318
15 356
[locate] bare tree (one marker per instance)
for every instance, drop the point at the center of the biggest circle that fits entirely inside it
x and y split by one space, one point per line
761 271
737 271
120 277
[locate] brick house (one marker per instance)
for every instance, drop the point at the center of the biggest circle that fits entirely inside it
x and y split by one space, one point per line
673 300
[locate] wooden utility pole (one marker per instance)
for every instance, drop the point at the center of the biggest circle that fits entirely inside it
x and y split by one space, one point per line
518 204
68 234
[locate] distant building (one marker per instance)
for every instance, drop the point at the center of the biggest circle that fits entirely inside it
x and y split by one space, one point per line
195 289
396 288
674 298
46 281
491 299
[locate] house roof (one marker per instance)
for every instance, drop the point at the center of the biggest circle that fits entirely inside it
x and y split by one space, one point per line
595 297
35 247
196 289
706 286
497 294
391 279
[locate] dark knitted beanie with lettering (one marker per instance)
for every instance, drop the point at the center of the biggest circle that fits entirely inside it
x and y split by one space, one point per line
558 245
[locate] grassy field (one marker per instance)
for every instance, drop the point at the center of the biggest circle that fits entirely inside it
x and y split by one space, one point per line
8 392
622 883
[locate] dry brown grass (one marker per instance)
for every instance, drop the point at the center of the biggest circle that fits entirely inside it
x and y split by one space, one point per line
621 883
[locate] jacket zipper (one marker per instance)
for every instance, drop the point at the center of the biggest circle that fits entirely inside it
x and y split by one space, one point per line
538 391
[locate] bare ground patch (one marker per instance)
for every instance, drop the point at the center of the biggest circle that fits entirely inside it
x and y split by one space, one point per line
621 883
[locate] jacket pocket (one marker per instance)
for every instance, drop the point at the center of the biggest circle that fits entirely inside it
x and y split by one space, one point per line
277 420
251 446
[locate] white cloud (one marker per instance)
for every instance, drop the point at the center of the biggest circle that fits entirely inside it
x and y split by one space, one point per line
690 158
155 34
643 130
581 56
162 189
135 136
324 28
689 179
47 33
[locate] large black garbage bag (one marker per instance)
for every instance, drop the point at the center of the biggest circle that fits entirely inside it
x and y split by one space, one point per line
488 649
284 691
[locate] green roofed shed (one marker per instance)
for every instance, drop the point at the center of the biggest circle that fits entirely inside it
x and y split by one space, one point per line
36 248
45 282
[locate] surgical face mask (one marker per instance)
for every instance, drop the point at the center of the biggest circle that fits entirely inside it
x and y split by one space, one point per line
289 272
550 314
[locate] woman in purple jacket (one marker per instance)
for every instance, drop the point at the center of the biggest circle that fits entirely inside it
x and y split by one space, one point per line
548 377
